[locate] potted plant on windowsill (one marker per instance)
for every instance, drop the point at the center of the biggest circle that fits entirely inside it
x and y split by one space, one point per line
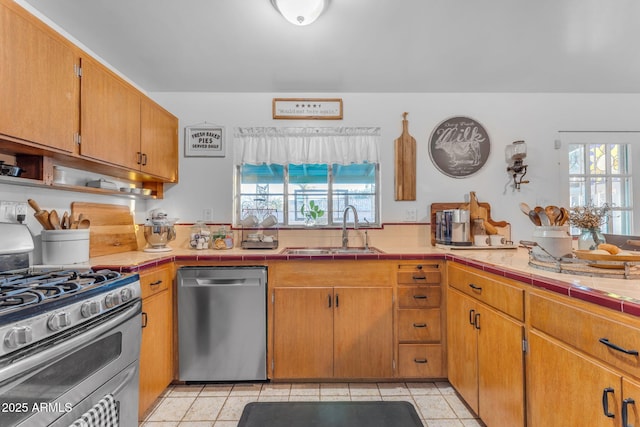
311 213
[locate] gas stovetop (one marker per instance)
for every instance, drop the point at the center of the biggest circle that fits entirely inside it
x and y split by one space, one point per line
22 289
35 306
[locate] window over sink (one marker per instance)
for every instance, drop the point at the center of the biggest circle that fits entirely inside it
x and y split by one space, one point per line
309 194
307 176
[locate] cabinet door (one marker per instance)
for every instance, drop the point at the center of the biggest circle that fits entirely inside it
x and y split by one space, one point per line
500 369
158 141
565 388
156 351
303 333
462 345
109 117
630 400
363 332
38 88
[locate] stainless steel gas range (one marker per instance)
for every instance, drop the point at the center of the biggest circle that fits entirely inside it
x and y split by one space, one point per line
70 342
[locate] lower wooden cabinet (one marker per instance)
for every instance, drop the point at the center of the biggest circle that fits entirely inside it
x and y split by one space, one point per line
156 351
573 377
332 332
485 350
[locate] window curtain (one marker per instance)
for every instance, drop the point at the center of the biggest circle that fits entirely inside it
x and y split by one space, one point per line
270 145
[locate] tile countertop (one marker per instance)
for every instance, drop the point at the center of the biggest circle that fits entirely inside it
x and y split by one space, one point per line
617 294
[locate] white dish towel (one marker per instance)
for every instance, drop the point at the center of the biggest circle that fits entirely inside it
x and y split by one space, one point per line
103 414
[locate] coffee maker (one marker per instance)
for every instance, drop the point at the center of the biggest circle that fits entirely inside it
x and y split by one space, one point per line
452 227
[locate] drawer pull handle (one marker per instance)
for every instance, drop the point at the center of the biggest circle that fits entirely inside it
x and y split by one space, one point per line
609 344
475 287
144 319
156 283
329 300
476 321
419 325
625 411
419 297
471 317
420 360
605 402
419 277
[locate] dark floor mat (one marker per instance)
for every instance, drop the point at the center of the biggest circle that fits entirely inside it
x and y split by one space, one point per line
329 414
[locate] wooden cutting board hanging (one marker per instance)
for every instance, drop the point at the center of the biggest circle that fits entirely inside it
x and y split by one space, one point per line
405 163
112 227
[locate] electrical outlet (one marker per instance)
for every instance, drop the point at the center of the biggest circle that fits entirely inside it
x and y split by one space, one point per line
12 211
411 215
207 214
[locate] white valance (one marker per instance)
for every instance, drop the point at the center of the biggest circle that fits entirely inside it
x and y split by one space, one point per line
271 145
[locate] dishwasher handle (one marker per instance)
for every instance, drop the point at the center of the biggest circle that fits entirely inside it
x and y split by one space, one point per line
213 282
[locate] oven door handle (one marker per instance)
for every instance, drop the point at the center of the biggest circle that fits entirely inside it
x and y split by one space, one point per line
29 366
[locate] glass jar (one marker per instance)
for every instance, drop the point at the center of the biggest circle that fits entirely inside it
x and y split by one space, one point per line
200 236
590 238
477 227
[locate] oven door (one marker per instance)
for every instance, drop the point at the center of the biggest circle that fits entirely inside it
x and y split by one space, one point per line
56 382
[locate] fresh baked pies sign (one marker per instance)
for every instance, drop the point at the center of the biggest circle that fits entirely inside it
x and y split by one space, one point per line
459 147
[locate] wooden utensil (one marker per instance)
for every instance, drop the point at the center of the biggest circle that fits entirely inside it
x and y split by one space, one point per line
405 163
535 219
84 223
54 220
525 208
565 216
64 222
553 212
41 215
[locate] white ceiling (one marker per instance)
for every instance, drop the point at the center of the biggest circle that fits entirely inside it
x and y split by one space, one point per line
363 45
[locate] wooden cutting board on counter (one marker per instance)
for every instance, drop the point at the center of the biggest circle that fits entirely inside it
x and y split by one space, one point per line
112 227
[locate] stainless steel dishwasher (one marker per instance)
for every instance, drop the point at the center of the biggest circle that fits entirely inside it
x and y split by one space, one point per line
222 323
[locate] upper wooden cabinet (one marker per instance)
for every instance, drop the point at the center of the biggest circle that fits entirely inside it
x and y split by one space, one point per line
52 91
38 83
110 113
158 141
120 126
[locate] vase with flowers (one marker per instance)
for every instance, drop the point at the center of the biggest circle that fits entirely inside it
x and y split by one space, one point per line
589 219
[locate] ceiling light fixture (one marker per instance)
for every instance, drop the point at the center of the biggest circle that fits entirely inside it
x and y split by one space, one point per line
300 12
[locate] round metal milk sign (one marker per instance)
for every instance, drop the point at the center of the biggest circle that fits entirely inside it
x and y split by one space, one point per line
459 147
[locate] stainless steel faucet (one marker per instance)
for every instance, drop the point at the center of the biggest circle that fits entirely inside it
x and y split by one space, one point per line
345 235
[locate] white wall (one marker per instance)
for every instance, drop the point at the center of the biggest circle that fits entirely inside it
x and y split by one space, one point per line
536 118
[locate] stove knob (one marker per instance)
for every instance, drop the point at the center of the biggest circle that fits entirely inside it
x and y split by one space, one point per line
18 336
111 300
90 308
126 294
59 321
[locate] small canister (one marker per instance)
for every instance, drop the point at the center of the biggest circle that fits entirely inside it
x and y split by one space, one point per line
200 236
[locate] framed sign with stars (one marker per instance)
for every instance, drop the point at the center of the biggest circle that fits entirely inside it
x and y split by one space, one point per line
307 108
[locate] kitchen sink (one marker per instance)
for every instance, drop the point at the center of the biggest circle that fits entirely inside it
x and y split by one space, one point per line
330 251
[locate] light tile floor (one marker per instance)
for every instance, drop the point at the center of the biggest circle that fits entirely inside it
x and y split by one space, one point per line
221 405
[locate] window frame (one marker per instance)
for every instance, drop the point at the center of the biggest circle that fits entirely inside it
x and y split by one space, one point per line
632 139
287 197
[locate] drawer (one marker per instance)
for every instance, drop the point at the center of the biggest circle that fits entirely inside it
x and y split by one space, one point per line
418 274
155 280
576 324
420 361
490 289
419 325
330 273
419 296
